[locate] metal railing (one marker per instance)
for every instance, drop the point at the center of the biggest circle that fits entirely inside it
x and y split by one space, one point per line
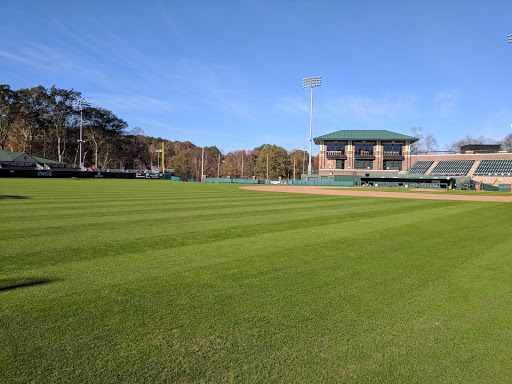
335 153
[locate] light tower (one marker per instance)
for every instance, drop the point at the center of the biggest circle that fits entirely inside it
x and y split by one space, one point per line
81 104
310 82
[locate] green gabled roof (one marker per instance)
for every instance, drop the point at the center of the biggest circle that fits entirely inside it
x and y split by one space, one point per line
9 155
12 156
46 161
373 134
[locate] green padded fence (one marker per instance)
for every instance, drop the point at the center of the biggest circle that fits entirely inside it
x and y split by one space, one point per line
238 181
489 187
283 182
323 183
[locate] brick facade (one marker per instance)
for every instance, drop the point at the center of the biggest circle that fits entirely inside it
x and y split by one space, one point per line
328 163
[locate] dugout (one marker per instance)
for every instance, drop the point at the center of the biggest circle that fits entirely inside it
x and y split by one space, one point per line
412 181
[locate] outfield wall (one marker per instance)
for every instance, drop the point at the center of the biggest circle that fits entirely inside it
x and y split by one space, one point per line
237 181
44 174
283 182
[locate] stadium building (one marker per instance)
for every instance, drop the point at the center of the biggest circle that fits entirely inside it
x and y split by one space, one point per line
384 157
357 152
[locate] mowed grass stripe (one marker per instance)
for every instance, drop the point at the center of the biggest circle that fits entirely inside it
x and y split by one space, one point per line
132 205
246 205
276 211
403 292
159 235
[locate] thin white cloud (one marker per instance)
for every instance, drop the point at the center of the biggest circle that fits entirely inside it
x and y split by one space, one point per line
83 40
161 124
44 59
135 103
445 102
369 109
292 105
16 58
498 125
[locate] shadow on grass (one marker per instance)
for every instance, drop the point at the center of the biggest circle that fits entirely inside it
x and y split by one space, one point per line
12 197
9 284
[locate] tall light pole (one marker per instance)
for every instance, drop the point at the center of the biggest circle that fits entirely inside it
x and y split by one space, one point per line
310 82
294 156
218 167
202 165
158 152
267 166
303 157
81 104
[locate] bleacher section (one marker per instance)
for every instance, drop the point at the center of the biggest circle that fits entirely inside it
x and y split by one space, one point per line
452 168
494 167
60 167
506 180
486 179
22 167
420 167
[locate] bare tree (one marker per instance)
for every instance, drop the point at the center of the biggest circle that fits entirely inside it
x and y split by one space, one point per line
468 139
506 143
426 143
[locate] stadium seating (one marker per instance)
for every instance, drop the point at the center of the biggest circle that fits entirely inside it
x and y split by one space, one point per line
486 179
494 167
452 167
21 167
506 180
420 167
59 167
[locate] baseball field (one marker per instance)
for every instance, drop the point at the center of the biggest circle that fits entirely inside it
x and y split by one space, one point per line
131 281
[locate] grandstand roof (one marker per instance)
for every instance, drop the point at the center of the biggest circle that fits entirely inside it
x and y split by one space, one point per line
374 134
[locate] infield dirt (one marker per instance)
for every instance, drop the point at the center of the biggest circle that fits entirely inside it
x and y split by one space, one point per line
322 190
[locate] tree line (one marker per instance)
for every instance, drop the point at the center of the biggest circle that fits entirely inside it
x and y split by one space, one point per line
46 122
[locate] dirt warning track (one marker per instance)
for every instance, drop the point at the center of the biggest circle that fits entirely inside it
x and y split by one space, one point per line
335 191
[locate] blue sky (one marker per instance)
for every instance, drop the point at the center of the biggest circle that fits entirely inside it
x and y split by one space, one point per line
229 73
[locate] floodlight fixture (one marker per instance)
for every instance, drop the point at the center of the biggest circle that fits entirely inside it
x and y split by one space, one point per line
81 104
310 82
509 38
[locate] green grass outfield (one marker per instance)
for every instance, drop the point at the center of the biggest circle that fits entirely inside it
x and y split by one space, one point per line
131 281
